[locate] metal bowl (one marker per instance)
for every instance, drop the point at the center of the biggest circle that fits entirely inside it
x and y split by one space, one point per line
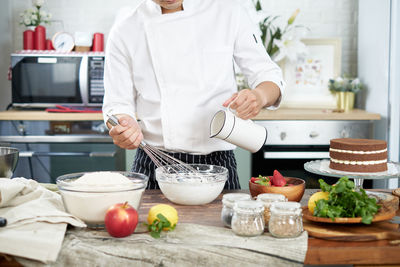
8 161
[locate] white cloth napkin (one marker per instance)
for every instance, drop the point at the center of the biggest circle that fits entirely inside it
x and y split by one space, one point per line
36 220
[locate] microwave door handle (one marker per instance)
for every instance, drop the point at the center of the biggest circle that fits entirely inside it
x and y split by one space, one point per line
83 80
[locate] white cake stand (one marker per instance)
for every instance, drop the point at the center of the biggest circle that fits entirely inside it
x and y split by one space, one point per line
321 167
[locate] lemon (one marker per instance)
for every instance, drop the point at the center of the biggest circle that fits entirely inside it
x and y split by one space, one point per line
167 211
314 198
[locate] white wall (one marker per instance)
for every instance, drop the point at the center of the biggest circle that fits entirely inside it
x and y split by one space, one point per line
394 83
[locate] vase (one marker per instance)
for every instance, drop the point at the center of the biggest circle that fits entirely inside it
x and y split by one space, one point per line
345 100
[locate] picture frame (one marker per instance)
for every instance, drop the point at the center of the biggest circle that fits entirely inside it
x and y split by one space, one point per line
307 78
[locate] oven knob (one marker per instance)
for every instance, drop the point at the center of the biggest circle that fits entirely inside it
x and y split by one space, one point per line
314 134
283 136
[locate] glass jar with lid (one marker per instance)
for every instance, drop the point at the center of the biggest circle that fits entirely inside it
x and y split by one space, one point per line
228 200
286 219
267 199
248 218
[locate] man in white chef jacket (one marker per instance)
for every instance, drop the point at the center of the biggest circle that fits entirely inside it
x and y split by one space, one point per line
170 63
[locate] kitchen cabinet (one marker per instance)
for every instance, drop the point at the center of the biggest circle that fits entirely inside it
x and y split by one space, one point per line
53 144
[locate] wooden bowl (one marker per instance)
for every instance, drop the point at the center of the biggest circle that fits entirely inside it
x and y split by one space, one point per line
292 192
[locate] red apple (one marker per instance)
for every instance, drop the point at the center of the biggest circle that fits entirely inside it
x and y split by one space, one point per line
121 220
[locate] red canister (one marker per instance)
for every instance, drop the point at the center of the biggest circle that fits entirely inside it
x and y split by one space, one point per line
49 45
98 42
40 38
28 40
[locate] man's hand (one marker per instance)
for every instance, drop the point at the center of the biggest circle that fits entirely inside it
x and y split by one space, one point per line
248 103
127 134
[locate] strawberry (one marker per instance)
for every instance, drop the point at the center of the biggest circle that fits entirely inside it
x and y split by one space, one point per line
277 179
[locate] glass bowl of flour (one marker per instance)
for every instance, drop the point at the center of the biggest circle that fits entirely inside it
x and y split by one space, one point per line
88 195
192 188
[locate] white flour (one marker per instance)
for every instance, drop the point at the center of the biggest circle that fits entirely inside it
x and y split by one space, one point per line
93 193
102 178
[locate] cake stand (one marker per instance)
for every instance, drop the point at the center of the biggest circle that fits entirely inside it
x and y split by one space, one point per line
321 167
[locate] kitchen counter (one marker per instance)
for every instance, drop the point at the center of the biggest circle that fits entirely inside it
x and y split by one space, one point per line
41 115
319 251
279 114
315 114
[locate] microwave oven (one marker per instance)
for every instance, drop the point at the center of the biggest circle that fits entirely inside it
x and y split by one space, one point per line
46 79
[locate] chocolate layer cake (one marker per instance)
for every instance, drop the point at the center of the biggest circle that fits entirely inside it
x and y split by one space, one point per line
358 155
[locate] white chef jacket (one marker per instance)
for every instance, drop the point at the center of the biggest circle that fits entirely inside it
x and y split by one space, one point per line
175 70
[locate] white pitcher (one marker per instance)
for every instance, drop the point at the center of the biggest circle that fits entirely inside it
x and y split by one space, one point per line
246 134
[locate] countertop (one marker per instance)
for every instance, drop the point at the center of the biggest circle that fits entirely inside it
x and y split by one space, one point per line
319 252
279 114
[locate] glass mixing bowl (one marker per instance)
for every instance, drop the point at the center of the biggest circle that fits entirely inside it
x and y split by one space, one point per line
90 201
188 188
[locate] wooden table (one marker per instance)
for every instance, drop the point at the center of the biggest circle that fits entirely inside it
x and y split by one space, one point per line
319 251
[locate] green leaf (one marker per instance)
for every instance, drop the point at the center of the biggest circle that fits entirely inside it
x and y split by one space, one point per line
258 5
155 235
158 225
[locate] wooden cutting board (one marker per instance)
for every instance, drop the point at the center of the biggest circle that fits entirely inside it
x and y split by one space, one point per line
353 232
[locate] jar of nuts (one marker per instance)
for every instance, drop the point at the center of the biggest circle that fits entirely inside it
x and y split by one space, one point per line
228 200
248 218
286 219
267 199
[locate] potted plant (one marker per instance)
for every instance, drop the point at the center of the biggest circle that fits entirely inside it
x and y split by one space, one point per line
34 16
345 89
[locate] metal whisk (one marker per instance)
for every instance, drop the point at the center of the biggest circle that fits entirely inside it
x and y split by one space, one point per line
160 158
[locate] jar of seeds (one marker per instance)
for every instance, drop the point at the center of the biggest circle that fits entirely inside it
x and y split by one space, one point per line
228 200
248 218
267 199
286 219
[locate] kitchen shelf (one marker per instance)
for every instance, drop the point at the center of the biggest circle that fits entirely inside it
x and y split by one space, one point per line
279 114
315 114
41 115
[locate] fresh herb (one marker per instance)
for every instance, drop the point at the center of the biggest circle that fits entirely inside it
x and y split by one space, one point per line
345 202
158 225
263 180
